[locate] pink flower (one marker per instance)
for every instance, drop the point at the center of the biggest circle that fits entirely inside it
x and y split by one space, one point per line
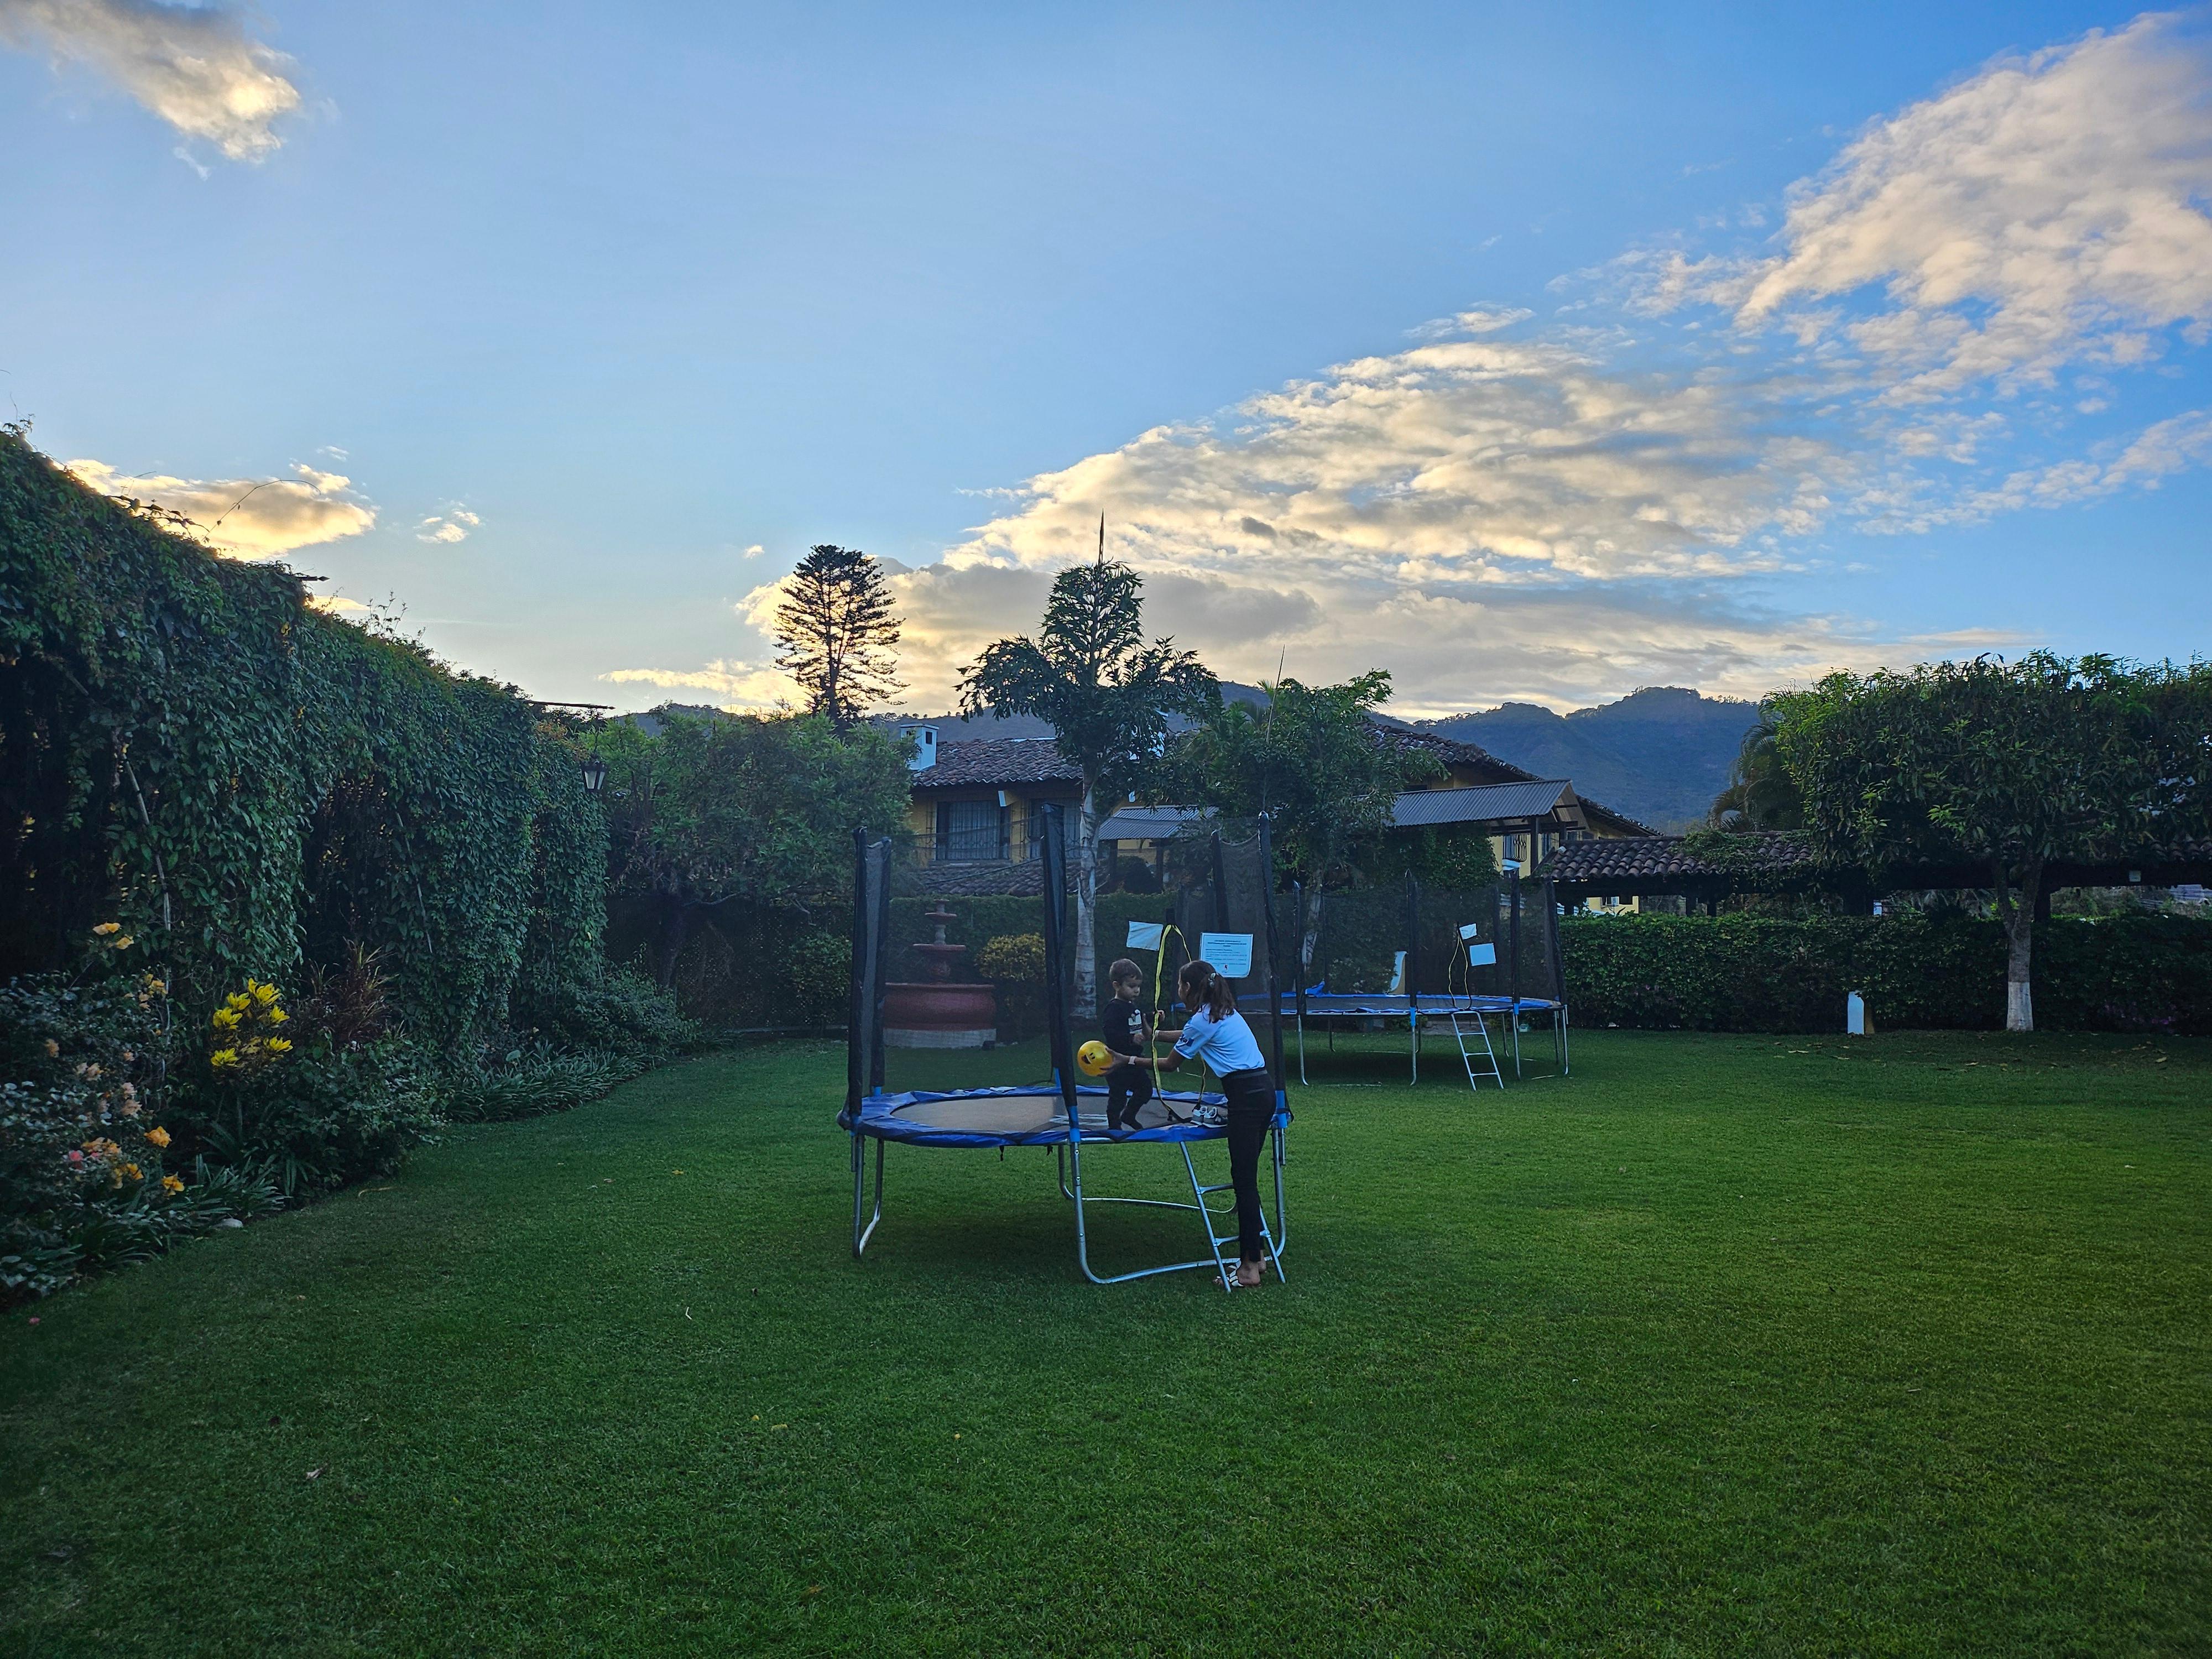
77 1158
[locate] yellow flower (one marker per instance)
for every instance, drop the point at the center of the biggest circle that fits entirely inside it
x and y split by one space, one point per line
107 928
124 943
225 1019
133 1172
279 1046
158 1135
156 987
262 993
223 1057
239 1001
53 1049
171 1184
277 1016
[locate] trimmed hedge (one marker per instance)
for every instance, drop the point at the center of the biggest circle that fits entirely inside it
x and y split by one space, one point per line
2144 973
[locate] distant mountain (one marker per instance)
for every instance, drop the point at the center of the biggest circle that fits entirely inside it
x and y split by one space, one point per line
1660 755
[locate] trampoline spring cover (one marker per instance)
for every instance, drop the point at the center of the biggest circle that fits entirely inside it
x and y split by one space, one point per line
1032 1115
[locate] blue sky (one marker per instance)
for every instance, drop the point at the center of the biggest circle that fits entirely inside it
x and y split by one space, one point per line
1527 356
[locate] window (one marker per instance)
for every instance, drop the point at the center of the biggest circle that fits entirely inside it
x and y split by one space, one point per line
970 829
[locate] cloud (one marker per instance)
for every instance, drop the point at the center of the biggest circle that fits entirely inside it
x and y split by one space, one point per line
739 685
1564 508
452 526
194 66
2050 208
247 518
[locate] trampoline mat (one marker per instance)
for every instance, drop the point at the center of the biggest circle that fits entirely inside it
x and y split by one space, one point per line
1383 1005
1033 1116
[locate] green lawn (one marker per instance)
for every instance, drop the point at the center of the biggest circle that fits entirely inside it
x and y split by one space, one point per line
1724 1345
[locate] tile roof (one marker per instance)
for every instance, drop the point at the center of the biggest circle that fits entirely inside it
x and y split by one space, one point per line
1633 858
984 761
1451 751
1150 822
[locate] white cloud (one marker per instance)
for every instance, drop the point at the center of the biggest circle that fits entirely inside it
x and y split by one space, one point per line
755 551
247 518
194 66
737 685
1507 509
2049 208
452 525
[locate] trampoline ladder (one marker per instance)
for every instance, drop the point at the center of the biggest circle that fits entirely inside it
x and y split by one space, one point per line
1489 1054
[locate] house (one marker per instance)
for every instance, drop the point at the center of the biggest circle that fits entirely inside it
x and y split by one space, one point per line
974 798
1527 817
973 809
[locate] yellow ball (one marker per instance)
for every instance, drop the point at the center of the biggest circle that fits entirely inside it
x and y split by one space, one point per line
1094 1058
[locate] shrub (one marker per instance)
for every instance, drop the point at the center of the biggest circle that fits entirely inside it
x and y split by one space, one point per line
536 1080
1942 971
614 1010
821 965
1018 956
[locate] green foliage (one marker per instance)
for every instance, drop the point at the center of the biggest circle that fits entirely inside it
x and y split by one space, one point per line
820 966
527 1084
718 822
2143 973
1312 760
253 786
1457 857
2004 765
834 631
1012 956
1106 692
1760 793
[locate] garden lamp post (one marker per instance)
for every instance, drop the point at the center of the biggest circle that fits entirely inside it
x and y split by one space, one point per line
595 770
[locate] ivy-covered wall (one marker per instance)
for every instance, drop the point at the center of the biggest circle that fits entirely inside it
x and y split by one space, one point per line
2143 973
250 786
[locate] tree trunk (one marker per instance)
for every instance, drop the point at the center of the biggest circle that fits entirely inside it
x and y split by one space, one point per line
1086 905
2019 917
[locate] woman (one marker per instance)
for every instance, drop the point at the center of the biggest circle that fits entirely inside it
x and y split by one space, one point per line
1220 1037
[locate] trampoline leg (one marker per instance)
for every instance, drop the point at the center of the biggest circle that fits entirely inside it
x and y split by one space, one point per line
1559 1032
1302 1050
1513 1018
861 1232
1414 1022
1280 1238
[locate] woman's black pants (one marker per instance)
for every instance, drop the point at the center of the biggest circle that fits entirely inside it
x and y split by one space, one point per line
1251 1109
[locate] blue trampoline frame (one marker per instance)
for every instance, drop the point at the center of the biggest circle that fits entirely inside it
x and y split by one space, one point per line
870 1114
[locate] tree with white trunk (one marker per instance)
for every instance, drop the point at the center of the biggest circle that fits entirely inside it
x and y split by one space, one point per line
2009 766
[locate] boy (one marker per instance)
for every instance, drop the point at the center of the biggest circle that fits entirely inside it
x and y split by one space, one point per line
1128 1087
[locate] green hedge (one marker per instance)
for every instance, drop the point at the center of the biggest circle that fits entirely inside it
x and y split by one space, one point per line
252 788
1755 974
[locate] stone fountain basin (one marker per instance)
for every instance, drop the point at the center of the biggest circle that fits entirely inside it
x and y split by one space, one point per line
939 1014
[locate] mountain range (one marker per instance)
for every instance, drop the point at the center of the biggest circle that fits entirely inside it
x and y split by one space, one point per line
1660 755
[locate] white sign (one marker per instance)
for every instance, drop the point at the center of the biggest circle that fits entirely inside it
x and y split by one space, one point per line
1481 956
1469 932
1146 935
1231 954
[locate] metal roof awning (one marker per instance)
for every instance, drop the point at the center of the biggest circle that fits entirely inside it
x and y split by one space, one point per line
1539 805
1151 823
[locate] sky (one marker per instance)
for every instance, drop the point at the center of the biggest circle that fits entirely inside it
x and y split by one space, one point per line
1532 353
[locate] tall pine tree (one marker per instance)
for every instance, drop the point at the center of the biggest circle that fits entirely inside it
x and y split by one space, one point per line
834 631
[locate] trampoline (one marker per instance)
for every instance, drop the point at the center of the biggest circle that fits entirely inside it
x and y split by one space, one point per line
1060 1115
1497 965
1469 1015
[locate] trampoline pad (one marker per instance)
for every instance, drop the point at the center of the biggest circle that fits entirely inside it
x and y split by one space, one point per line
1032 1116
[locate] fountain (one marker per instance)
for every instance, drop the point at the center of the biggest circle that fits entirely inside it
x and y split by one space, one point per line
939 1012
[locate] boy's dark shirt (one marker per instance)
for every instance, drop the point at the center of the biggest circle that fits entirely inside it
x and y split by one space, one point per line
1123 1026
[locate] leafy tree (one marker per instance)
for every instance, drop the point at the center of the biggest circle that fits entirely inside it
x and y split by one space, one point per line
1312 759
1107 693
2008 765
1760 793
834 631
741 811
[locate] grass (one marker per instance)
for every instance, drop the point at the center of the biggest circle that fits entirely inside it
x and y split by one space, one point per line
1726 1344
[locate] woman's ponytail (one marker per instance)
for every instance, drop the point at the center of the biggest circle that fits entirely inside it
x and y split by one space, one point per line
1200 982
